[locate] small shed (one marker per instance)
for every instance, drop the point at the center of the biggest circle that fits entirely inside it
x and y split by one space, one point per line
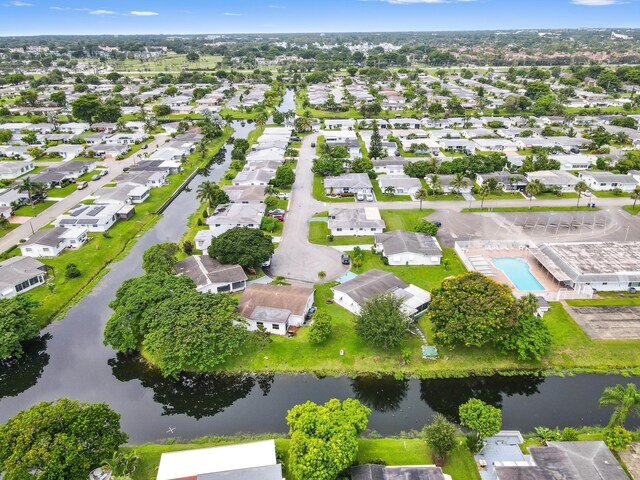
429 352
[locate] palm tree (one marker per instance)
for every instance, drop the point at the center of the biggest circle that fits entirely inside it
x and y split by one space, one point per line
207 192
390 190
322 274
421 195
580 188
626 400
201 148
458 183
434 183
485 189
31 188
290 153
533 188
635 195
261 119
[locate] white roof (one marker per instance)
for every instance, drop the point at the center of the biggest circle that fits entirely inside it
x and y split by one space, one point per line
190 463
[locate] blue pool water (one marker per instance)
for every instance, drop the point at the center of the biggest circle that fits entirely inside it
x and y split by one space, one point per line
346 276
519 273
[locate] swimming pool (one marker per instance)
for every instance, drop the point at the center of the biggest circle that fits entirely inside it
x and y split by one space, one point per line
519 273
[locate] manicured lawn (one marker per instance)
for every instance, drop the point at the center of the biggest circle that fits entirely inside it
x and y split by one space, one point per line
394 451
318 232
631 209
29 211
446 198
610 194
318 192
527 209
403 219
602 302
137 147
385 197
63 192
553 196
7 228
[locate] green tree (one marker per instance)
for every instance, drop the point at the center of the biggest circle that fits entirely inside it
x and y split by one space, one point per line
32 188
484 191
5 136
458 182
58 440
470 310
122 464
161 110
421 195
440 435
17 324
375 147
532 189
160 258
635 195
245 246
429 228
485 419
324 438
580 188
284 177
86 107
211 192
321 328
72 271
617 438
278 118
382 321
59 97
625 399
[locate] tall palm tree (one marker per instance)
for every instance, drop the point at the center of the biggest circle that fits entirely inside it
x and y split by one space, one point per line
458 183
532 189
580 188
434 183
485 189
31 188
201 148
421 194
207 192
635 195
626 400
261 119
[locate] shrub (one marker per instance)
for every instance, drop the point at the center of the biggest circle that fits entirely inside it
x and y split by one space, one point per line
72 271
617 438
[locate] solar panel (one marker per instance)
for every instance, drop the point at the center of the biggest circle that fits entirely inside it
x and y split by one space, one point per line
95 210
78 211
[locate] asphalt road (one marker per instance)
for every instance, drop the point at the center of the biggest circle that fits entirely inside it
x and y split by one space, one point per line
50 214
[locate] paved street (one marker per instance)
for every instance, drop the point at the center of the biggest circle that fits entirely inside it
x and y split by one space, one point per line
115 168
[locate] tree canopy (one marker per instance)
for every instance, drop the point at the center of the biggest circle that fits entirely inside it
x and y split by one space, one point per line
324 438
382 321
58 440
247 247
484 419
160 258
440 435
17 324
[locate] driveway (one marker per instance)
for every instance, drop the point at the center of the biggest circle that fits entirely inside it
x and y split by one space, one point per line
296 258
50 214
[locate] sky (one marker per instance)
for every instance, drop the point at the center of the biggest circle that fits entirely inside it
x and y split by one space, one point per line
39 17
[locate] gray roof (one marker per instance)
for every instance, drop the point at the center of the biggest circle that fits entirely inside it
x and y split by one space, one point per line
292 298
355 218
381 472
18 269
49 237
270 314
592 460
370 283
348 180
204 270
266 472
608 177
395 181
401 241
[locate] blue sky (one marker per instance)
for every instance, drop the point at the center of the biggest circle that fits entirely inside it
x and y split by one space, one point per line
32 17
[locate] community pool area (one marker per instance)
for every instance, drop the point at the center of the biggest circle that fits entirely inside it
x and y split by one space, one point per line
518 271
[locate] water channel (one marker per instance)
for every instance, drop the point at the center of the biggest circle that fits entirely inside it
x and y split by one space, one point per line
69 360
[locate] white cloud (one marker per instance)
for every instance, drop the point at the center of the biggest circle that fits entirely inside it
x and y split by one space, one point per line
143 13
19 3
275 6
229 14
595 3
102 12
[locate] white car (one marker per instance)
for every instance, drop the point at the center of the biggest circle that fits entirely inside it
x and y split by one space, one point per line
360 197
369 197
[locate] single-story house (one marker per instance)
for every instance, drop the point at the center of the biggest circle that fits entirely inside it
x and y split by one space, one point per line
445 184
458 146
354 183
601 181
390 165
355 221
508 182
96 218
497 144
555 179
339 124
254 177
20 274
401 184
122 194
13 169
353 294
145 179
574 162
49 242
409 248
66 150
110 150
275 307
210 275
245 193
6 212
234 215
126 138
372 471
74 127
244 461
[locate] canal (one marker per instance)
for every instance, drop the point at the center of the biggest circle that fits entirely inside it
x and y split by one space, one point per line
69 360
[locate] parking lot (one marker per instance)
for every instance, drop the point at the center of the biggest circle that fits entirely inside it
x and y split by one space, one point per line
608 322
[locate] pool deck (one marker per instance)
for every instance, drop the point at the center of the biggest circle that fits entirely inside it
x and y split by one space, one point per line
545 280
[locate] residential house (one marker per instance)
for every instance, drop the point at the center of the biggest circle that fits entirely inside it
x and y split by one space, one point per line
446 187
126 138
245 193
14 169
402 184
66 150
145 179
355 221
108 150
496 144
122 194
602 181
75 128
353 183
20 274
575 162
275 307
49 242
95 218
340 124
209 275
508 182
371 471
254 177
227 217
390 165
467 147
408 248
245 461
556 179
353 294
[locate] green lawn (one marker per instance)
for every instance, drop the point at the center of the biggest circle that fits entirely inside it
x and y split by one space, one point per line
601 302
610 194
631 209
318 232
63 192
553 196
29 211
137 147
318 192
403 219
529 209
394 451
7 228
384 197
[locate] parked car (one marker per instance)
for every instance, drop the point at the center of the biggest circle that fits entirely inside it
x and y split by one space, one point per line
369 197
267 263
313 144
95 177
291 332
346 259
360 197
145 146
437 223
102 173
126 169
282 195
82 185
